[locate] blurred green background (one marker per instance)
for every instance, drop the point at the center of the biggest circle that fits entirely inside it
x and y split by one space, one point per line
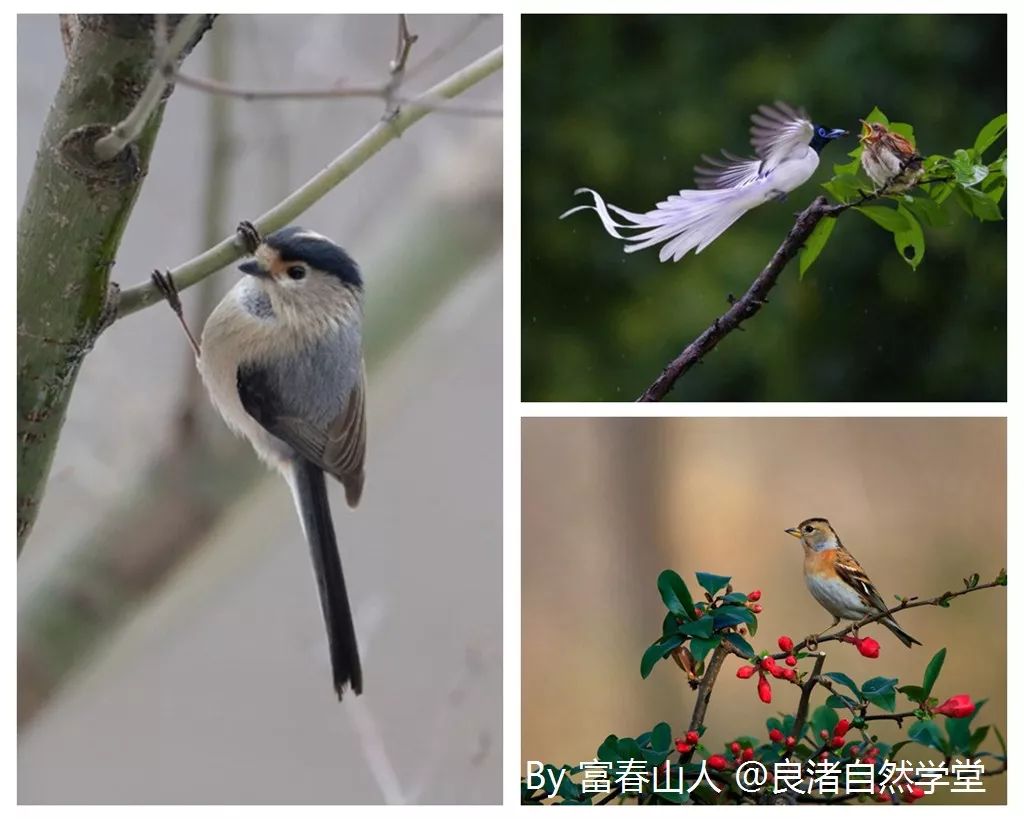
626 105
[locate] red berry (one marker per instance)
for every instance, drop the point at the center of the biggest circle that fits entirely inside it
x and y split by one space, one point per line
683 748
717 761
916 792
790 742
789 673
956 707
692 737
764 690
841 728
735 748
757 608
786 643
745 672
837 742
775 735
754 596
748 754
791 660
868 648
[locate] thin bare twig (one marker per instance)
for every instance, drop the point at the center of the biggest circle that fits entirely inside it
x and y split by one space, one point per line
230 249
909 603
439 104
406 40
129 129
453 41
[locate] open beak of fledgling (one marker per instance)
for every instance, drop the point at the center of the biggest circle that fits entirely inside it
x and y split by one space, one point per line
794 532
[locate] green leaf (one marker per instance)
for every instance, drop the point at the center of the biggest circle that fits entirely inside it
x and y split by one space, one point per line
675 594
704 627
989 134
657 651
909 242
712 583
823 719
914 693
926 733
926 210
849 168
891 220
904 129
608 751
735 597
881 691
732 616
842 679
661 737
741 645
978 205
977 738
931 673
844 186
700 647
816 243
841 701
959 730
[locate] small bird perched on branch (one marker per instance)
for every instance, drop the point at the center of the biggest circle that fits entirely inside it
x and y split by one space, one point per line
281 357
787 147
890 160
836 580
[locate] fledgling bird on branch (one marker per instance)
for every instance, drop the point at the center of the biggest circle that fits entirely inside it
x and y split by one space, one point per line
281 357
836 580
787 147
889 159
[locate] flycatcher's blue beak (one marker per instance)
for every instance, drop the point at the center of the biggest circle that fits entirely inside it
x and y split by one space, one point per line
835 133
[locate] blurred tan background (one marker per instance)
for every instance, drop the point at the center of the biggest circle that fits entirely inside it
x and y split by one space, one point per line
171 647
609 503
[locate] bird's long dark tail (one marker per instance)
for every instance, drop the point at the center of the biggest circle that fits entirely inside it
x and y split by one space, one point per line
904 638
310 489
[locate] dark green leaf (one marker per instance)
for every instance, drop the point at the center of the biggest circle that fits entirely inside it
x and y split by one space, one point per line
891 220
914 693
959 730
881 691
740 644
931 673
732 616
712 583
989 134
823 719
926 733
841 701
704 627
700 648
675 594
661 737
842 679
978 205
977 738
609 749
910 242
657 651
816 243
735 597
926 210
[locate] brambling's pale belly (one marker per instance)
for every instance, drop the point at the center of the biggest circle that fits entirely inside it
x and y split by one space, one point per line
836 597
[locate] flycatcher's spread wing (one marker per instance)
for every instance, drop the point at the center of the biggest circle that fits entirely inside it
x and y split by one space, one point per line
778 130
734 172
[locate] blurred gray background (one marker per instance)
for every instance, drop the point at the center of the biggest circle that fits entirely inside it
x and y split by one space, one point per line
206 677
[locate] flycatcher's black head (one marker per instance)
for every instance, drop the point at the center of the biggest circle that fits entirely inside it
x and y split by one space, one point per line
823 135
297 244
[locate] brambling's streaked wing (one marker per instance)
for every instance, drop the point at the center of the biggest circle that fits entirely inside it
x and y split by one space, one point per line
850 571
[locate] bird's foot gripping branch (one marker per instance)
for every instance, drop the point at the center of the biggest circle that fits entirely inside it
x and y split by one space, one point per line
829 753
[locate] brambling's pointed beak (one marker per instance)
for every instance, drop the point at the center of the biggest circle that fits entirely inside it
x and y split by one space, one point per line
794 532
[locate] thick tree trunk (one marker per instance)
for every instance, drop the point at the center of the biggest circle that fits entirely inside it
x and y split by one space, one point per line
70 226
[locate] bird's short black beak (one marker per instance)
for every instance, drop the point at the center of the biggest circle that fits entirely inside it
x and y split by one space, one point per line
253 268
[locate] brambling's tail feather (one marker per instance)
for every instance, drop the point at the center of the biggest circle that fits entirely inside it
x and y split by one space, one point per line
904 638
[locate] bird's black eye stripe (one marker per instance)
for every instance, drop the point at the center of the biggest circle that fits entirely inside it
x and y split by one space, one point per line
297 271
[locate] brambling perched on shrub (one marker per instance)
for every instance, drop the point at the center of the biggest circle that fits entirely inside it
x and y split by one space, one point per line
837 581
889 159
